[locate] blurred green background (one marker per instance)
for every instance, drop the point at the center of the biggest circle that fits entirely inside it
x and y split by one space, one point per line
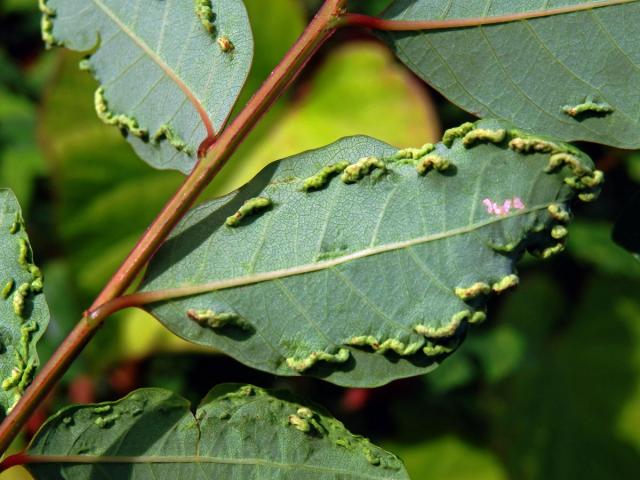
547 388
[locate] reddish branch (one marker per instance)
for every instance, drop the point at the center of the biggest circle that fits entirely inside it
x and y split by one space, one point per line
375 23
319 30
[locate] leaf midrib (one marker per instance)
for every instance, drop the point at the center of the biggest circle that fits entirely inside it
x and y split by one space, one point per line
190 290
193 98
186 459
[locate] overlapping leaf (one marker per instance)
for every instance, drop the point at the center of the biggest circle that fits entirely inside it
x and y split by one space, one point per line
170 71
574 76
23 312
374 274
237 432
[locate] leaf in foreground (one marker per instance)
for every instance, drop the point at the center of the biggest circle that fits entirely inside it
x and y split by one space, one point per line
169 72
24 314
360 263
574 76
236 432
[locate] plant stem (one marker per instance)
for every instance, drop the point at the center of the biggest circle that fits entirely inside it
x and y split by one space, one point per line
375 23
319 30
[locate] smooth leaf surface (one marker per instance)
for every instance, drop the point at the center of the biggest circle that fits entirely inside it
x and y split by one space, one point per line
361 283
23 310
627 229
236 433
533 72
165 80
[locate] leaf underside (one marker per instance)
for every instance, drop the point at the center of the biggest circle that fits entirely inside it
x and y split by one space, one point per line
356 282
236 432
24 315
574 76
163 73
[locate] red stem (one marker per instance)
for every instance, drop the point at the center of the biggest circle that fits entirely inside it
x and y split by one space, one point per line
375 23
319 30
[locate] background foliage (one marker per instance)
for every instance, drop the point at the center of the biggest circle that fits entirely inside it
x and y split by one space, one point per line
548 388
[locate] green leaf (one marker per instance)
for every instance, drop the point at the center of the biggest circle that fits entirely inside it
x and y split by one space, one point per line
574 76
449 458
579 389
23 309
374 274
168 78
236 432
627 229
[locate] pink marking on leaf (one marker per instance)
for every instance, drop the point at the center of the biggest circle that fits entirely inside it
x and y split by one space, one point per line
494 209
517 203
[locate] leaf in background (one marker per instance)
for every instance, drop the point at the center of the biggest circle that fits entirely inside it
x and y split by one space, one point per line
578 392
23 309
20 160
449 458
236 432
590 242
574 76
169 76
627 229
372 275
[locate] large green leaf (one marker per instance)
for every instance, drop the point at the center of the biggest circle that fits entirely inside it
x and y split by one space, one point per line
23 310
372 275
533 72
236 432
168 76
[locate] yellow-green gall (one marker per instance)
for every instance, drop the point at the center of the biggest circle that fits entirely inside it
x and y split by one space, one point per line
360 169
505 283
533 145
321 179
121 121
481 135
478 317
215 320
300 423
559 213
302 364
595 179
166 132
457 132
473 291
304 412
558 232
414 153
7 289
250 207
588 106
432 161
558 160
446 330
204 12
19 299
551 251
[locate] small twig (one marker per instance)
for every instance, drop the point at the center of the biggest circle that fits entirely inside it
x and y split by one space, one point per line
375 23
